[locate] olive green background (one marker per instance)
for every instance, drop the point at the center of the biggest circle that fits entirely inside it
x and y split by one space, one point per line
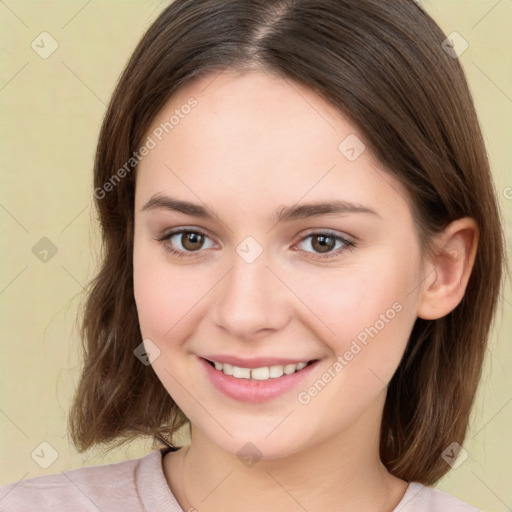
51 110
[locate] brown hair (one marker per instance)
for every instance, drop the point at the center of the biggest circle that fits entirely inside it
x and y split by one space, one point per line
382 64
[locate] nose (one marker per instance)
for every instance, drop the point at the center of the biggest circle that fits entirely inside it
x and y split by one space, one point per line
251 301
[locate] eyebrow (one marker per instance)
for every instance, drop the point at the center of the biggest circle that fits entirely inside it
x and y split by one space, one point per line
282 214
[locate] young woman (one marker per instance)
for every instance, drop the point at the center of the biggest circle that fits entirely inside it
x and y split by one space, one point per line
302 261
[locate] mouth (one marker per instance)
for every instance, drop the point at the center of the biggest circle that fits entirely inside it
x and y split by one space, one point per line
263 373
257 385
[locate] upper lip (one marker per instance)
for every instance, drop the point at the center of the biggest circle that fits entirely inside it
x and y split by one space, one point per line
254 362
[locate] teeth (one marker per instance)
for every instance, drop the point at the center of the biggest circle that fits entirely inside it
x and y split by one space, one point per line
241 373
276 371
260 373
264 373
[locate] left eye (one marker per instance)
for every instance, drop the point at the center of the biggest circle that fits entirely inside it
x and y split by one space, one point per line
326 245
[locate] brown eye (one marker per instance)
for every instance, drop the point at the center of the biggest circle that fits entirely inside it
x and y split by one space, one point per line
192 241
185 242
323 243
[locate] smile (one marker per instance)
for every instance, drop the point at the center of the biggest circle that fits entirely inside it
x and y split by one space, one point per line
263 373
257 384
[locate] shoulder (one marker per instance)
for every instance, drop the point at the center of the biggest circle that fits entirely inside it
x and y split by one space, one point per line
420 498
89 488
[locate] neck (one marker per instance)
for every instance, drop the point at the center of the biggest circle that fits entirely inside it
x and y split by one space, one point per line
343 473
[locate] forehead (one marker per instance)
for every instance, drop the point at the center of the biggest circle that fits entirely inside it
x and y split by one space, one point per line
256 137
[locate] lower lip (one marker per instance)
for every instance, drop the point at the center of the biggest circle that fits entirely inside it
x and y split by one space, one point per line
252 390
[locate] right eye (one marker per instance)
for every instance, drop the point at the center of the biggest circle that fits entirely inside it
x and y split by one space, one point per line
183 243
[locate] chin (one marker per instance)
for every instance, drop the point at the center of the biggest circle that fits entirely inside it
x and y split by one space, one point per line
251 448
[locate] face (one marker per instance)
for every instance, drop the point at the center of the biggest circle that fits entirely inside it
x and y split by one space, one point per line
247 274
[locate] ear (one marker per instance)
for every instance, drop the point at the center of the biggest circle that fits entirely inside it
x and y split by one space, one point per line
447 273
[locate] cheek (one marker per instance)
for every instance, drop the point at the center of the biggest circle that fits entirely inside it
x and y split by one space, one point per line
168 296
366 310
158 302
371 315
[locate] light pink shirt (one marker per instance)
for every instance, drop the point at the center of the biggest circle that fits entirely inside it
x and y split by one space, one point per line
139 485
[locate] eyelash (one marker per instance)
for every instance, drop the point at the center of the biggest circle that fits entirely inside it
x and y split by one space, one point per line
347 244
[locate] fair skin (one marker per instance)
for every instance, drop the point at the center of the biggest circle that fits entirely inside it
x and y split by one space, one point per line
255 143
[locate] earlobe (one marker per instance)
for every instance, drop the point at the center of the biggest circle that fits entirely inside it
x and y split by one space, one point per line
447 274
